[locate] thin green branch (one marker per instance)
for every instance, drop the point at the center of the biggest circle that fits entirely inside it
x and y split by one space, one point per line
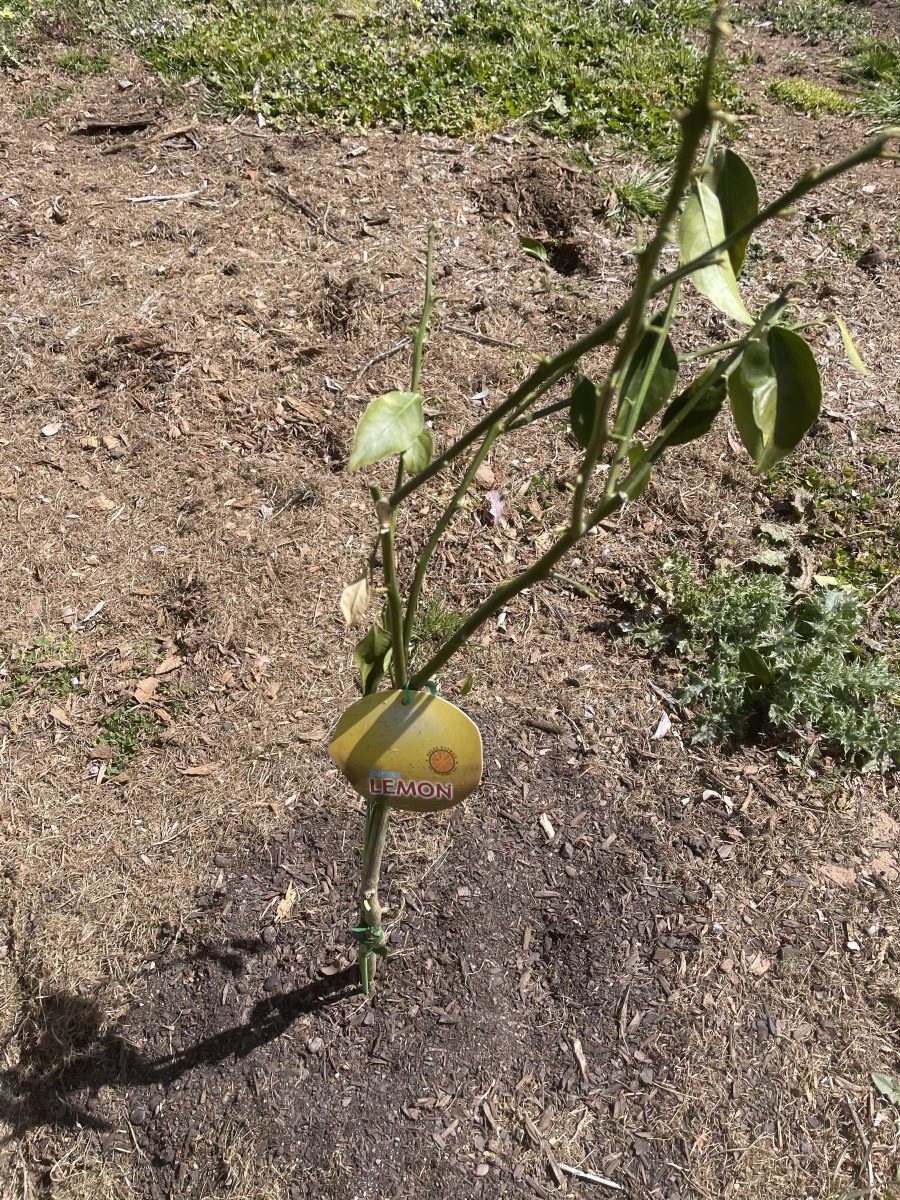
633 412
415 589
427 306
533 418
395 604
694 123
547 372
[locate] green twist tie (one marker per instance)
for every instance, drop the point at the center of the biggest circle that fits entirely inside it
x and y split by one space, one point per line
370 940
428 685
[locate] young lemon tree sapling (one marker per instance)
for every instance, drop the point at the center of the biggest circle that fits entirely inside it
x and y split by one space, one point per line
404 747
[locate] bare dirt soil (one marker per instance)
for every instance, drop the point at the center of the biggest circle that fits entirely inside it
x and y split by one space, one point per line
679 980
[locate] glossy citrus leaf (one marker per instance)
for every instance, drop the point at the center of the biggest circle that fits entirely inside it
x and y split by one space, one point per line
639 475
700 402
372 655
735 188
583 409
662 380
390 424
419 455
702 227
775 395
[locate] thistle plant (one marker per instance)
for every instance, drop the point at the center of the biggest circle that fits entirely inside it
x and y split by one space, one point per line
649 402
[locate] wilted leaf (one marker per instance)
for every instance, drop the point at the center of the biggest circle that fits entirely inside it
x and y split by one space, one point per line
782 535
60 716
702 227
771 559
170 663
420 453
663 379
496 506
534 248
888 1086
663 726
583 409
104 502
355 599
775 395
390 425
145 689
201 769
735 188
849 347
372 655
285 905
703 411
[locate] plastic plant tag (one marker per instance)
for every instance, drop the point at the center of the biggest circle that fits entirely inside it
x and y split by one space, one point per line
423 755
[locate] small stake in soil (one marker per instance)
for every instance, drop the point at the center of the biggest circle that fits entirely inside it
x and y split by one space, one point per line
407 748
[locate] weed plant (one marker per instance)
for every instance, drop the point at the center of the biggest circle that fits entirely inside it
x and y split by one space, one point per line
762 661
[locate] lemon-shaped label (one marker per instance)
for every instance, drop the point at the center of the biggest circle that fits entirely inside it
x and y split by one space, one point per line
409 750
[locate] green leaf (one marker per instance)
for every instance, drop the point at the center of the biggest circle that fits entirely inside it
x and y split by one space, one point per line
390 425
849 348
534 248
583 409
639 476
735 188
418 456
754 664
662 381
888 1086
775 395
702 227
372 655
465 685
704 399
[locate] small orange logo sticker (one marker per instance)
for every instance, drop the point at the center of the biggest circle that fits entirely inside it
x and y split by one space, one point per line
442 761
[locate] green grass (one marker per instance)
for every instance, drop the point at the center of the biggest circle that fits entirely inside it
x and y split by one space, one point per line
127 731
81 63
871 60
807 97
835 20
636 196
42 102
849 518
49 667
876 67
436 620
452 66
762 660
16 30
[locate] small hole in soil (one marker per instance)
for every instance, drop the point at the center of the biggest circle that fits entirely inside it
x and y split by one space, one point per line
566 258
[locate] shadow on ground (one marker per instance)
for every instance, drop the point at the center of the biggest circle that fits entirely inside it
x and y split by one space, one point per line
69 1057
